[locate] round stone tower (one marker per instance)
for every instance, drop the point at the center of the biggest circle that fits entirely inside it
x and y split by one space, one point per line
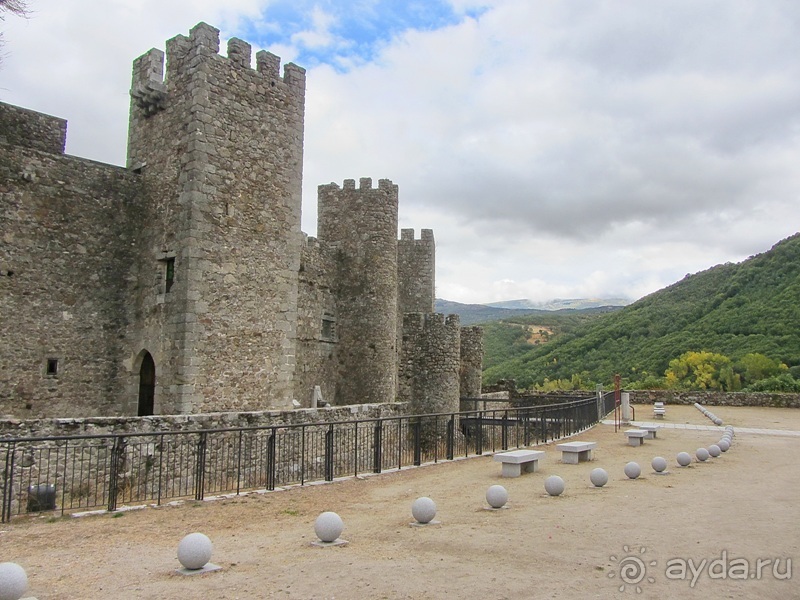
359 225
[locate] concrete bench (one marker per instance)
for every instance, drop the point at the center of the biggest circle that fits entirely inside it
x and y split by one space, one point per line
659 410
651 431
517 462
636 436
574 452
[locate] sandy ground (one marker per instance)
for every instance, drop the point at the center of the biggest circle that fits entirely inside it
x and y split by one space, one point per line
735 510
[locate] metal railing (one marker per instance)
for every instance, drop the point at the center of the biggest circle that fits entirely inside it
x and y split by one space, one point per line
78 473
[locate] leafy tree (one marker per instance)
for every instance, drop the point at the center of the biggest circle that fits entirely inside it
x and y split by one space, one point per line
755 366
700 370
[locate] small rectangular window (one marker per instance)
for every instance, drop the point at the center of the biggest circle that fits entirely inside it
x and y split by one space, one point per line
328 332
169 273
52 366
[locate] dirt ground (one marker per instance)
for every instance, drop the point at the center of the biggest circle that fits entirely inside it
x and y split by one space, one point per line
693 532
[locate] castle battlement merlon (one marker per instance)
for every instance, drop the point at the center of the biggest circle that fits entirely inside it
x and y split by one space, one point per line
150 87
407 235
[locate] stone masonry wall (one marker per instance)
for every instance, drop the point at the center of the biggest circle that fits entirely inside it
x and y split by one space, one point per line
68 230
471 362
29 129
772 399
359 226
316 325
430 363
416 268
19 428
223 141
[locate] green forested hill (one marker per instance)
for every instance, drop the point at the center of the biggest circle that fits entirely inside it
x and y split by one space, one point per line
732 310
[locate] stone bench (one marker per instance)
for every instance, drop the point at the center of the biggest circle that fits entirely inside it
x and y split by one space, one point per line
659 410
574 452
517 462
651 431
636 436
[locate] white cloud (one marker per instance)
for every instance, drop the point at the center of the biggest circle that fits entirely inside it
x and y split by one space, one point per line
556 149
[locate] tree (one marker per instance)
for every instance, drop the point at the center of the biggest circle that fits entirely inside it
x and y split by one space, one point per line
18 8
755 366
702 371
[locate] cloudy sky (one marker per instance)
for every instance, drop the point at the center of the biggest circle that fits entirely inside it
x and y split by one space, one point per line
574 149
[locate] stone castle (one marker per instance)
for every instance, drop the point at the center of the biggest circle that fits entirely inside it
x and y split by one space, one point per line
183 283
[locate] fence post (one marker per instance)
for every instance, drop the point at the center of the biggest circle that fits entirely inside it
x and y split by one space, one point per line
271 461
329 453
416 430
8 483
117 456
200 467
504 431
377 448
451 434
239 464
479 434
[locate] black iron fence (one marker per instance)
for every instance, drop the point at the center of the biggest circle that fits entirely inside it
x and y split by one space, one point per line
79 473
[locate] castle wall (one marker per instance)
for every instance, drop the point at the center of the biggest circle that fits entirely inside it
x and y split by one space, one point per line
360 228
29 129
317 340
429 363
471 369
416 268
67 229
222 143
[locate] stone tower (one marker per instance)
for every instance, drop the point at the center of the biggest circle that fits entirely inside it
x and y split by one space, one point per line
416 269
219 146
359 225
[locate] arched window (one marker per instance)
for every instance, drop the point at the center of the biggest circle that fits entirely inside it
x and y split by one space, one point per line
147 385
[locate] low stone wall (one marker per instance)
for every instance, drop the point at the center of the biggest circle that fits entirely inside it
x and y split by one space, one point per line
772 399
222 420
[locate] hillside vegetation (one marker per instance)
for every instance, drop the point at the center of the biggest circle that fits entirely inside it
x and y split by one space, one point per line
710 330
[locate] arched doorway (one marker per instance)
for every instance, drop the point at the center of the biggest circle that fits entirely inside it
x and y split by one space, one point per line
147 385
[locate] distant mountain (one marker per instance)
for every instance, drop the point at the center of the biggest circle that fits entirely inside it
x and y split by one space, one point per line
561 304
730 309
472 314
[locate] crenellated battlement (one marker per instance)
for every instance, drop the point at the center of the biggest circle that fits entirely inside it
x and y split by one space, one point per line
407 235
431 324
150 86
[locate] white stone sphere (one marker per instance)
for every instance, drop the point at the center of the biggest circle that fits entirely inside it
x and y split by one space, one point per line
717 421
328 526
684 459
497 496
194 551
633 470
724 445
714 450
13 581
659 464
702 454
598 477
423 509
554 485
